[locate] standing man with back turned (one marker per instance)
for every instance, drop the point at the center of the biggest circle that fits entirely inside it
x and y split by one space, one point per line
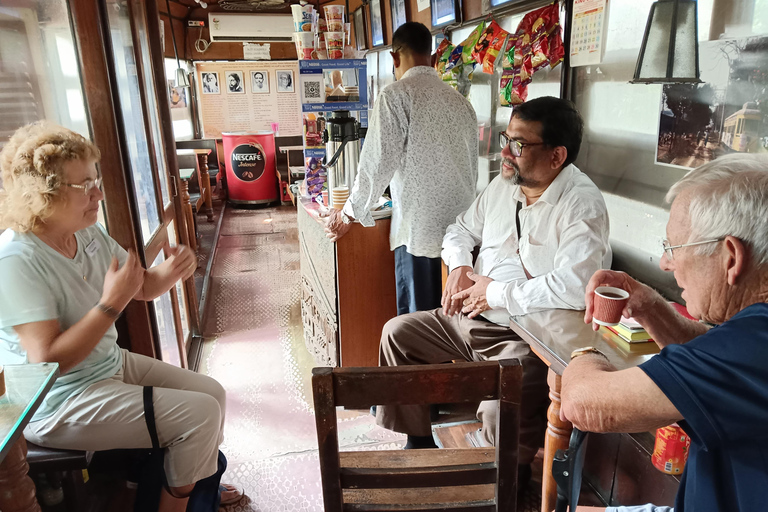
422 142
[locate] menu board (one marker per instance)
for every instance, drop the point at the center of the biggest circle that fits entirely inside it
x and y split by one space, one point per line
242 96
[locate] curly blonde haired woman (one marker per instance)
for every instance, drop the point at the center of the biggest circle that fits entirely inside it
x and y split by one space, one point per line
64 282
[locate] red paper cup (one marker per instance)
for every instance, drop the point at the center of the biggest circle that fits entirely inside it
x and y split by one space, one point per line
608 305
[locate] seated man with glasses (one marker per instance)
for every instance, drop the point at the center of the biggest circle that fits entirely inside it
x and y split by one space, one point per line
542 228
712 381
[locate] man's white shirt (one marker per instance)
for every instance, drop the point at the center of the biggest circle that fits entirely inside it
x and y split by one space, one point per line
564 240
423 142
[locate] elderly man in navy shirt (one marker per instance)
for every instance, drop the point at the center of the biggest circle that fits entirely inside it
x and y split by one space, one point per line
712 381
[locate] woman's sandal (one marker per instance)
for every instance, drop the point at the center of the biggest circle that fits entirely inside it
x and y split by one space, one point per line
230 494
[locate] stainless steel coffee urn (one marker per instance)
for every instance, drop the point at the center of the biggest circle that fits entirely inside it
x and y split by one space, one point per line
342 151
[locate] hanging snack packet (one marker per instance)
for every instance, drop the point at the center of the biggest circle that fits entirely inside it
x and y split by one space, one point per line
442 62
468 45
488 45
444 46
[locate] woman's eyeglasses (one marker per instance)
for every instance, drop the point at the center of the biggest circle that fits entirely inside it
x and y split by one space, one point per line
87 186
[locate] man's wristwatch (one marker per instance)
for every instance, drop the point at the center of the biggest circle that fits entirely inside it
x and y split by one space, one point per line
586 350
345 218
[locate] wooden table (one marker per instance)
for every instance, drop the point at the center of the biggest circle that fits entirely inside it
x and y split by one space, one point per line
201 166
26 386
552 336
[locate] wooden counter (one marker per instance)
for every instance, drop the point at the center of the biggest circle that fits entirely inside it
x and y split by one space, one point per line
348 289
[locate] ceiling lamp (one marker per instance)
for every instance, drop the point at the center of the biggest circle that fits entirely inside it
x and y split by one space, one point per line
670 50
181 75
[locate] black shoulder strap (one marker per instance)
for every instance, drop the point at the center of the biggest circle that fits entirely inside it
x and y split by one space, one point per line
149 416
517 220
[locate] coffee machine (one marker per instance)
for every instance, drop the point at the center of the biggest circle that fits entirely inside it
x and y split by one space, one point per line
342 149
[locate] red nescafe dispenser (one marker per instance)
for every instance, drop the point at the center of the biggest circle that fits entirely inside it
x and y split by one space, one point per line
250 162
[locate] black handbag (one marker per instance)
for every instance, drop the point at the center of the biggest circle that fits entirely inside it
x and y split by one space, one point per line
205 496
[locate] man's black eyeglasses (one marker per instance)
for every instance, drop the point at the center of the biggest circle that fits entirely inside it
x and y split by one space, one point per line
515 146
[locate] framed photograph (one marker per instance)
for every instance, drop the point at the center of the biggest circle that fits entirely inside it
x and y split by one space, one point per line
260 81
284 80
235 83
178 95
361 35
398 14
445 12
377 28
210 82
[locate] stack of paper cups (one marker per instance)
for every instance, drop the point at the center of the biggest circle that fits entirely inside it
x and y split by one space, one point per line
305 44
302 17
334 42
334 18
339 196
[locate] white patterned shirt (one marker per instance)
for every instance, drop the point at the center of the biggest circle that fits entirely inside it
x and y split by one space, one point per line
422 142
564 240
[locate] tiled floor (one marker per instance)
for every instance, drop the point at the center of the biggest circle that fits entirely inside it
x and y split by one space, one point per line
254 346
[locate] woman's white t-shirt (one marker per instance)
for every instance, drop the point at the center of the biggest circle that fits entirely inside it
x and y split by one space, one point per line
37 283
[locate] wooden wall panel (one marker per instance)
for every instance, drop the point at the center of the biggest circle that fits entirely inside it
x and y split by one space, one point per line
424 16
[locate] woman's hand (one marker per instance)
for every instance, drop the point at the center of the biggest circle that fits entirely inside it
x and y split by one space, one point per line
182 262
121 285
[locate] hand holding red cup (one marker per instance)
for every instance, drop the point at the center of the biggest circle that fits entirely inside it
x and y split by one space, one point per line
609 302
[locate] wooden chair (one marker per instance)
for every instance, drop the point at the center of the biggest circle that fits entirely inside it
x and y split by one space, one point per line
468 480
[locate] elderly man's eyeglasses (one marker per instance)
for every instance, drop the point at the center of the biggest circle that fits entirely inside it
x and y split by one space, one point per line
668 248
87 186
515 146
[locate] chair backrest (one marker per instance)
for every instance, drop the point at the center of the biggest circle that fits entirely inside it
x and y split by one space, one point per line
473 479
213 157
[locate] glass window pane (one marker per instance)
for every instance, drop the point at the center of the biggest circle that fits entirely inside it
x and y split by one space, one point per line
133 119
154 120
182 298
166 326
39 68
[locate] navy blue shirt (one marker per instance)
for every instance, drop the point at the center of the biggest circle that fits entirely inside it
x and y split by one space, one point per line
719 383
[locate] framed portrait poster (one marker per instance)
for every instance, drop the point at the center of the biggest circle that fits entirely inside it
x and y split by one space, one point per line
398 14
260 81
377 27
361 39
284 80
445 12
210 82
235 82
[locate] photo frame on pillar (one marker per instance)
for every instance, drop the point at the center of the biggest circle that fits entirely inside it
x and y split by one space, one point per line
377 23
399 15
445 12
361 34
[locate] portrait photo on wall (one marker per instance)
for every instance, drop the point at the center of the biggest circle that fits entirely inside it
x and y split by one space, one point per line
177 95
284 80
361 39
726 113
260 81
235 82
377 28
445 12
398 14
210 82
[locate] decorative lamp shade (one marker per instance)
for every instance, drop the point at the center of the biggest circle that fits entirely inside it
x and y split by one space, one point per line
670 49
181 78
